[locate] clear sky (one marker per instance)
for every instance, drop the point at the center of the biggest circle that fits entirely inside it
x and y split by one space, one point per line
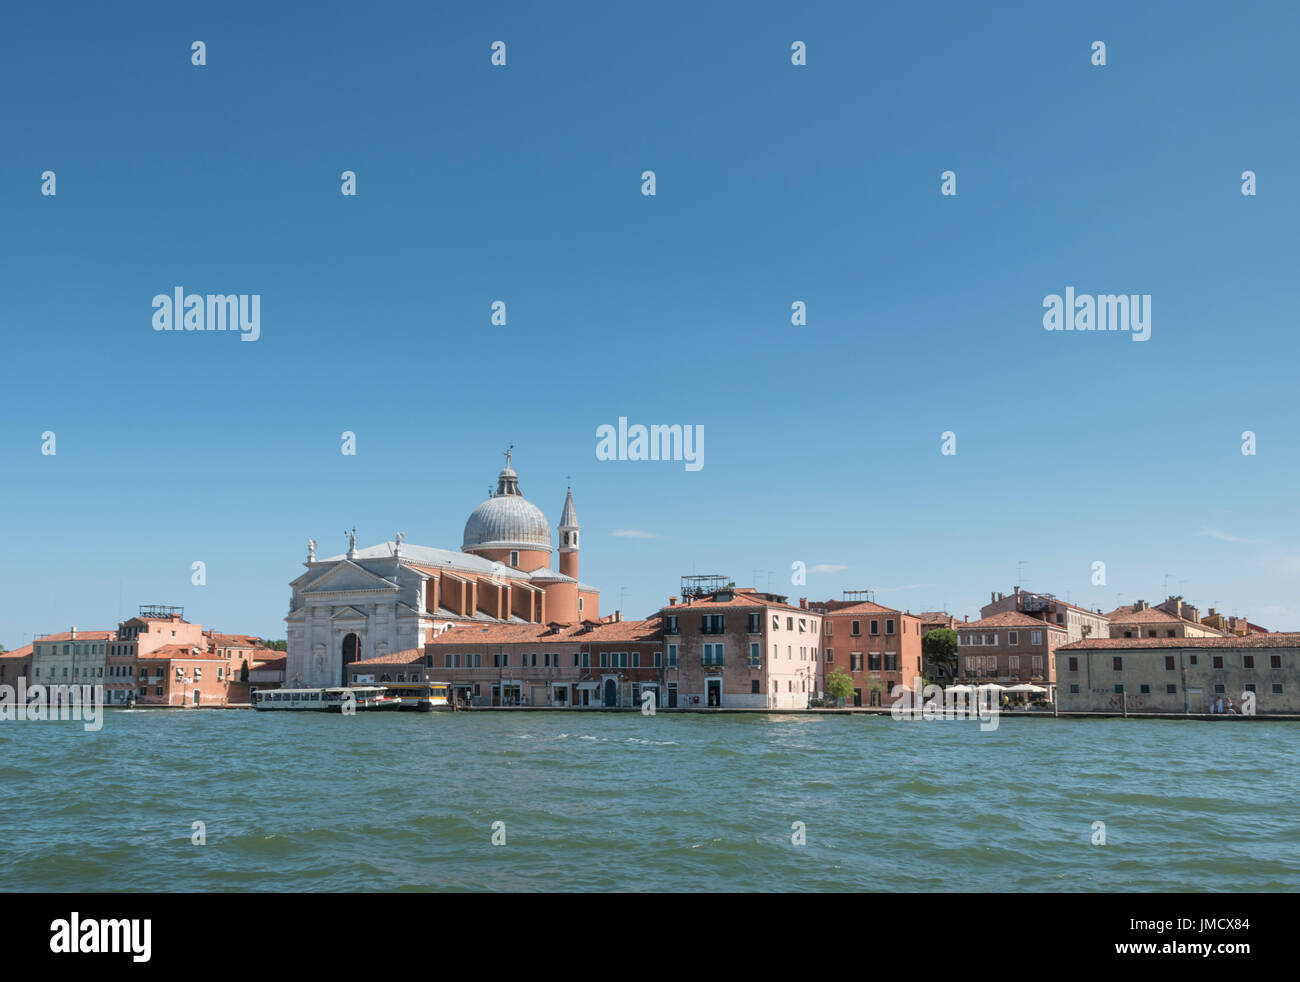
775 184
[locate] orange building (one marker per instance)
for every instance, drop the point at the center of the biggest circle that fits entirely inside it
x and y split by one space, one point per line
879 646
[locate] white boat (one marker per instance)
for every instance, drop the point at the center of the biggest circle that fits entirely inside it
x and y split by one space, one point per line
422 697
332 699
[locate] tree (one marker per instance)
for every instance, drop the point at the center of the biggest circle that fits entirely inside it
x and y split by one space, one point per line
939 648
839 684
243 672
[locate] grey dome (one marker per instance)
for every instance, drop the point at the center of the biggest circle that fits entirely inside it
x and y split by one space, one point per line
507 521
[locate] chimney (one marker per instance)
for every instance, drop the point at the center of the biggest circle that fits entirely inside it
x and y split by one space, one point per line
672 601
993 596
74 632
618 617
1017 589
966 618
803 603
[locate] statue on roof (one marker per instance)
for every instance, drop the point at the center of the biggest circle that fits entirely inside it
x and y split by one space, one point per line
311 550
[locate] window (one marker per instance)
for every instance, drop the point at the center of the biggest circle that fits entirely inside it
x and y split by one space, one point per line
789 623
856 628
514 558
1250 686
1191 659
889 626
1277 688
1035 637
753 686
1218 689
1170 688
855 661
1247 661
828 627
891 661
755 624
1169 663
755 655
1013 637
670 624
803 625
672 656
873 661
875 627
1117 664
990 639
636 659
659 659
604 659
1074 689
1119 689
1151 632
711 624
713 654
1169 633
1274 661
1038 666
1074 663
1013 664
1144 689
830 656
1218 661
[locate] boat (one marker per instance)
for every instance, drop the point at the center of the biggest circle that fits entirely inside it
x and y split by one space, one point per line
422 697
332 699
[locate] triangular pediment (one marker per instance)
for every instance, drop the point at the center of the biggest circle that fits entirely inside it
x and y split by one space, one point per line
347 614
346 577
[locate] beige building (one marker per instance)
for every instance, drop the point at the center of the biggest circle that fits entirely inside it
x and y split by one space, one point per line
1180 675
1140 620
1078 622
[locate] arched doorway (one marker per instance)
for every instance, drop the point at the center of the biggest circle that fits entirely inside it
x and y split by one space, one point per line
611 693
351 653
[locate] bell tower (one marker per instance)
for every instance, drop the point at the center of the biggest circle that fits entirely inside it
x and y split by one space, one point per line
568 530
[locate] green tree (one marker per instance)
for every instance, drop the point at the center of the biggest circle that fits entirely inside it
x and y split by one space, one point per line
939 649
839 684
243 672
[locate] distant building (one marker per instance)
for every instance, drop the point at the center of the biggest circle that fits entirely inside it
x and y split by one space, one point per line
880 647
593 664
1009 648
1180 674
1141 620
70 658
16 664
396 597
182 675
1079 622
741 647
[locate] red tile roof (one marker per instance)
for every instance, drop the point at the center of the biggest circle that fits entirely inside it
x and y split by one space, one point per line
24 652
1010 618
81 636
1277 640
179 651
865 607
408 657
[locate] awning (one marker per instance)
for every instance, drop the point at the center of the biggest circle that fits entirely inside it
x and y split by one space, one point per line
1025 687
588 685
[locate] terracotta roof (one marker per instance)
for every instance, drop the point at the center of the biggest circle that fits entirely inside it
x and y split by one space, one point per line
934 615
179 651
1010 618
235 640
1278 640
408 657
741 597
865 607
81 636
24 652
270 665
570 634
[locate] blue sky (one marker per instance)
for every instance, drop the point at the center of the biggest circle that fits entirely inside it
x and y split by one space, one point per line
775 183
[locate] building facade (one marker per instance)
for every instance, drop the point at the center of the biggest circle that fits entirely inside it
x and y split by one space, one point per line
1009 648
397 597
878 646
1181 675
1078 622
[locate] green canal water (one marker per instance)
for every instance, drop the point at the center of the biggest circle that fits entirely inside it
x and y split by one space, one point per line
594 801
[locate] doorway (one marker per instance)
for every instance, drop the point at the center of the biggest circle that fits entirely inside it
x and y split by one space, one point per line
611 693
672 695
713 689
351 653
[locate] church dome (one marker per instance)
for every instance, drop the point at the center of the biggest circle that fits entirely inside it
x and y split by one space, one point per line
507 520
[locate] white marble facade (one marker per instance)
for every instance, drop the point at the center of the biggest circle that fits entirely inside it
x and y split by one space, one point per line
377 600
